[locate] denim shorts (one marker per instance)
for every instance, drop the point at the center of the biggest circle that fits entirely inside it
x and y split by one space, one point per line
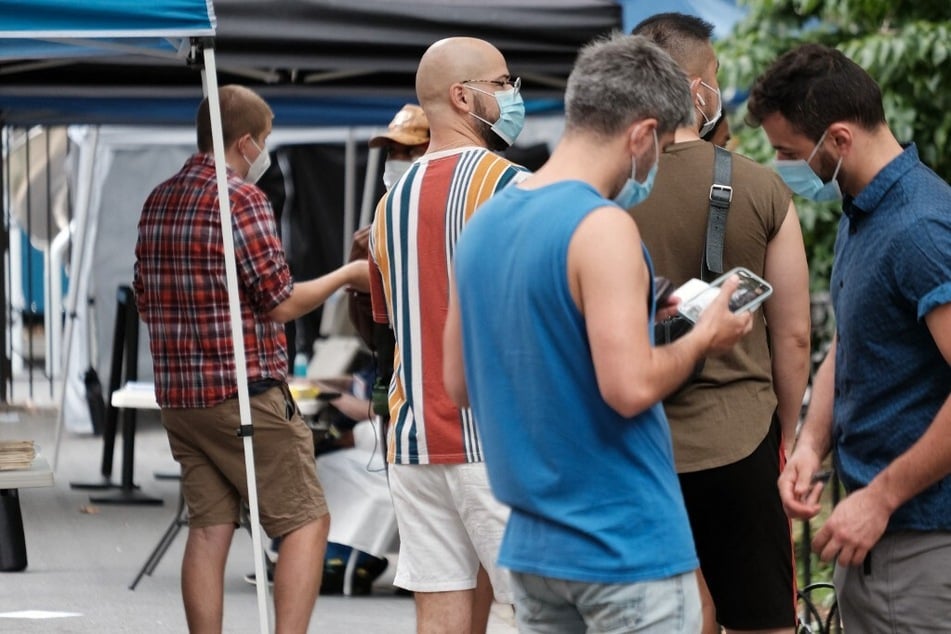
544 605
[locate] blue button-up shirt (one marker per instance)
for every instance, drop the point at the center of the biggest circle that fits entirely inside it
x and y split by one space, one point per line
892 267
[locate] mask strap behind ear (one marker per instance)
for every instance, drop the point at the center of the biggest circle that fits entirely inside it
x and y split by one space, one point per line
652 131
815 150
699 82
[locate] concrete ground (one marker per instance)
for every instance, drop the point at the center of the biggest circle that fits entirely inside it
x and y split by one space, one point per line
82 556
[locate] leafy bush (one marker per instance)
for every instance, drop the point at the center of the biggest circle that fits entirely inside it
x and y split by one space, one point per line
904 44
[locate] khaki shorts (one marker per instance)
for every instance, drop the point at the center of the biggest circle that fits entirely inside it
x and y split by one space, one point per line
211 454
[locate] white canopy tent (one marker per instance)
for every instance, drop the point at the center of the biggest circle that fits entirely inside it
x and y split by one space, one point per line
42 30
115 167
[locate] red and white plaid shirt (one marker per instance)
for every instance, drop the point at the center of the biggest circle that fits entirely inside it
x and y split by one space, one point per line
181 291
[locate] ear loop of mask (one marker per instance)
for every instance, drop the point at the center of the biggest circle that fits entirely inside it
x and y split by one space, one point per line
815 150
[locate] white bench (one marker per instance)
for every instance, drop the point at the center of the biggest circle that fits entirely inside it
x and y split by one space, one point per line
12 542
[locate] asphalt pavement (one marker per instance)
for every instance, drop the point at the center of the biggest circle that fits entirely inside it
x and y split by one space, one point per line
84 552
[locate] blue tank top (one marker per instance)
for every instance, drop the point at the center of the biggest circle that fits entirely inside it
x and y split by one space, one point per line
594 495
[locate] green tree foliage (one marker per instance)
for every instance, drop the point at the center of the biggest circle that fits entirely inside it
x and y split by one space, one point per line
904 44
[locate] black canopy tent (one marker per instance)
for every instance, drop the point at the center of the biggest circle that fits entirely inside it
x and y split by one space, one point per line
318 62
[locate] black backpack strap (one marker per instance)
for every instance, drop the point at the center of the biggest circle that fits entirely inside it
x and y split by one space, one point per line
721 194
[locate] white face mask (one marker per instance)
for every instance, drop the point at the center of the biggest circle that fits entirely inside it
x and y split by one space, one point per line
393 170
258 166
709 122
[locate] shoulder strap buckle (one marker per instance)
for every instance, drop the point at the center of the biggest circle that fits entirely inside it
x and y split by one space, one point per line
721 195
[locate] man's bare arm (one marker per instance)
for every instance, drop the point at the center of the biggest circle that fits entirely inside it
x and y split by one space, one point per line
788 321
308 295
608 278
799 494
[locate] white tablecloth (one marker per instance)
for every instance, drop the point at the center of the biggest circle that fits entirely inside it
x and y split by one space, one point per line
358 496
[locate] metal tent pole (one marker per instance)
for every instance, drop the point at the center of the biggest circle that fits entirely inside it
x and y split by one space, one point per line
78 261
210 84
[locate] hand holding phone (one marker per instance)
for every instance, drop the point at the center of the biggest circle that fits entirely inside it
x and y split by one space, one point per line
751 291
722 326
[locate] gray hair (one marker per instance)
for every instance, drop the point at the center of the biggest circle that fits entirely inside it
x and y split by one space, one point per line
620 79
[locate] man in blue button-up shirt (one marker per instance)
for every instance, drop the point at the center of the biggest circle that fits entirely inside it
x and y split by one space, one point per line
880 399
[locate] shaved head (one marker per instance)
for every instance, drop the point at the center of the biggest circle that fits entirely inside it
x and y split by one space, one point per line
456 83
686 38
454 60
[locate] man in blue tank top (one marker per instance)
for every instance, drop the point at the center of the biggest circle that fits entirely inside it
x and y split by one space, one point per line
549 336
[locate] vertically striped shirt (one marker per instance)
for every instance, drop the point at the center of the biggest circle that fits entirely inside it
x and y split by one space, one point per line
412 241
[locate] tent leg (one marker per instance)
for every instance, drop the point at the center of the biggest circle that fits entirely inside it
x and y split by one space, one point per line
77 283
210 83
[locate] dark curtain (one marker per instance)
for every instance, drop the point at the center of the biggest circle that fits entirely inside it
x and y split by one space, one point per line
312 223
312 219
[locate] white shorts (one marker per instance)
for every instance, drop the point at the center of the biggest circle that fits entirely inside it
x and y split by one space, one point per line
449 523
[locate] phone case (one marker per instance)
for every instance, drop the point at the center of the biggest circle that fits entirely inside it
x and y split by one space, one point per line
752 291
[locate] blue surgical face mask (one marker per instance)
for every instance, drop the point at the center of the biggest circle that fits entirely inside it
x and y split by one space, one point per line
634 191
803 180
511 113
708 123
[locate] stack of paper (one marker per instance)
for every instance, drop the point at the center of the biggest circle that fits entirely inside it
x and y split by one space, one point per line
16 454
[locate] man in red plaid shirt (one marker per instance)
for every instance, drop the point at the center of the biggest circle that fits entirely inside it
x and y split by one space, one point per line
182 296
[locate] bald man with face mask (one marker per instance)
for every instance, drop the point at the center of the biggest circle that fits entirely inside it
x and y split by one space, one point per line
450 524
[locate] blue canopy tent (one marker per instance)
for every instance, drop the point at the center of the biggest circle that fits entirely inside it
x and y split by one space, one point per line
44 30
317 62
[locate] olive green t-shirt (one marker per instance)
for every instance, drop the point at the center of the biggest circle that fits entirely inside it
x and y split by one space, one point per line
723 415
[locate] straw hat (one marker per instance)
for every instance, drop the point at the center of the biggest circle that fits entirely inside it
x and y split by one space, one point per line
408 127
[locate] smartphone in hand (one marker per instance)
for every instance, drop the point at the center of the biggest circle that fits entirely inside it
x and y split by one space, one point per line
751 292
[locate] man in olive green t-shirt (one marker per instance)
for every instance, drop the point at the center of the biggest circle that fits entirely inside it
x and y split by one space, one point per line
731 424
